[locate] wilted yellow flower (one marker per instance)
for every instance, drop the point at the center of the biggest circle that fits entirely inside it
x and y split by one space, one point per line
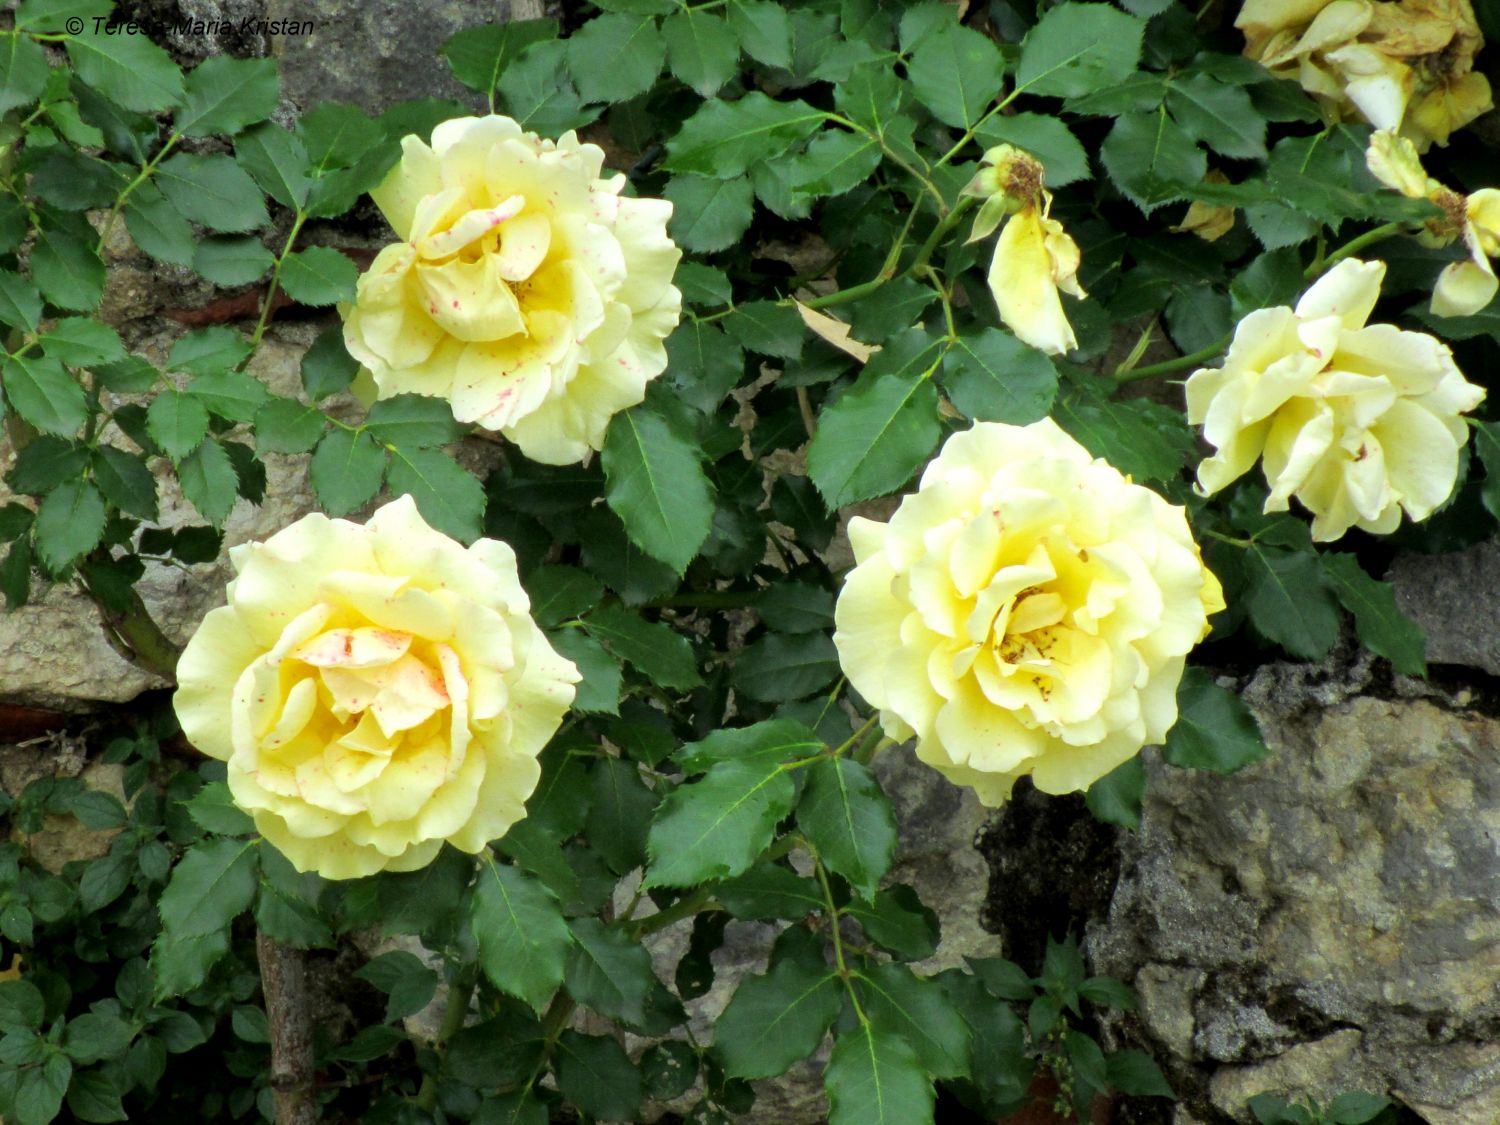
1034 256
526 290
376 690
1463 288
1356 421
1398 64
1026 611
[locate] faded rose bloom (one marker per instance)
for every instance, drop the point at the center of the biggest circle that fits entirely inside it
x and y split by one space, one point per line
1463 288
1358 422
1034 257
526 289
376 690
1026 611
1398 64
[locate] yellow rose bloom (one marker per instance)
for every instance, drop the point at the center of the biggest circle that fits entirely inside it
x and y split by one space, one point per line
525 289
1026 611
1358 422
1406 65
376 690
1034 257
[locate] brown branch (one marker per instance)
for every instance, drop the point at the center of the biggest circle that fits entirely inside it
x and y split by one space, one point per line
283 979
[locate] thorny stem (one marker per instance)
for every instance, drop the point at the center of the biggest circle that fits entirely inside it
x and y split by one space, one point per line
283 975
270 301
133 631
141 177
459 997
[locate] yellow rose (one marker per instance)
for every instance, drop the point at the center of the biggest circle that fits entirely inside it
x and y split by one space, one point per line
526 290
1357 422
376 690
1026 611
1406 65
1034 257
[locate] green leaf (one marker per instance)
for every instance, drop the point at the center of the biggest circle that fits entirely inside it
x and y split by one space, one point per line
232 261
520 1106
40 1089
653 648
873 438
1150 158
1076 49
778 668
1116 797
96 1036
129 70
479 55
23 72
596 1075
523 940
773 1022
1355 1108
993 377
766 743
213 809
450 498
212 190
67 271
319 276
1289 601
1382 627
957 73
1136 1073
224 95
409 985
716 827
276 161
346 471
835 162
599 690
1274 278
654 483
919 1012
874 1078
559 593
82 341
337 135
708 214
41 391
125 481
211 885
69 523
208 350
615 57
1214 729
1045 138
702 51
328 368
898 921
209 481
796 607
1143 439
1219 115
726 139
15 574
766 892
413 422
764 31
620 808
20 303
537 91
94 1096
177 423
768 327
232 395
609 972
846 816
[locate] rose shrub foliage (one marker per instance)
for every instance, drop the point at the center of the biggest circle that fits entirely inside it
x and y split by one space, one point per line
666 295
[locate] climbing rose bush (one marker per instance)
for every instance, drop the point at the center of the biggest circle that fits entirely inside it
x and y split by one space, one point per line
525 289
1026 611
376 690
1398 64
1358 422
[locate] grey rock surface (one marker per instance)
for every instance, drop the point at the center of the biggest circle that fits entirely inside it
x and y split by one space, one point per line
1327 919
1451 597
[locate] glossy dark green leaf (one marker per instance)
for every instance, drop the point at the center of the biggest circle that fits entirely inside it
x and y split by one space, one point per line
1214 729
